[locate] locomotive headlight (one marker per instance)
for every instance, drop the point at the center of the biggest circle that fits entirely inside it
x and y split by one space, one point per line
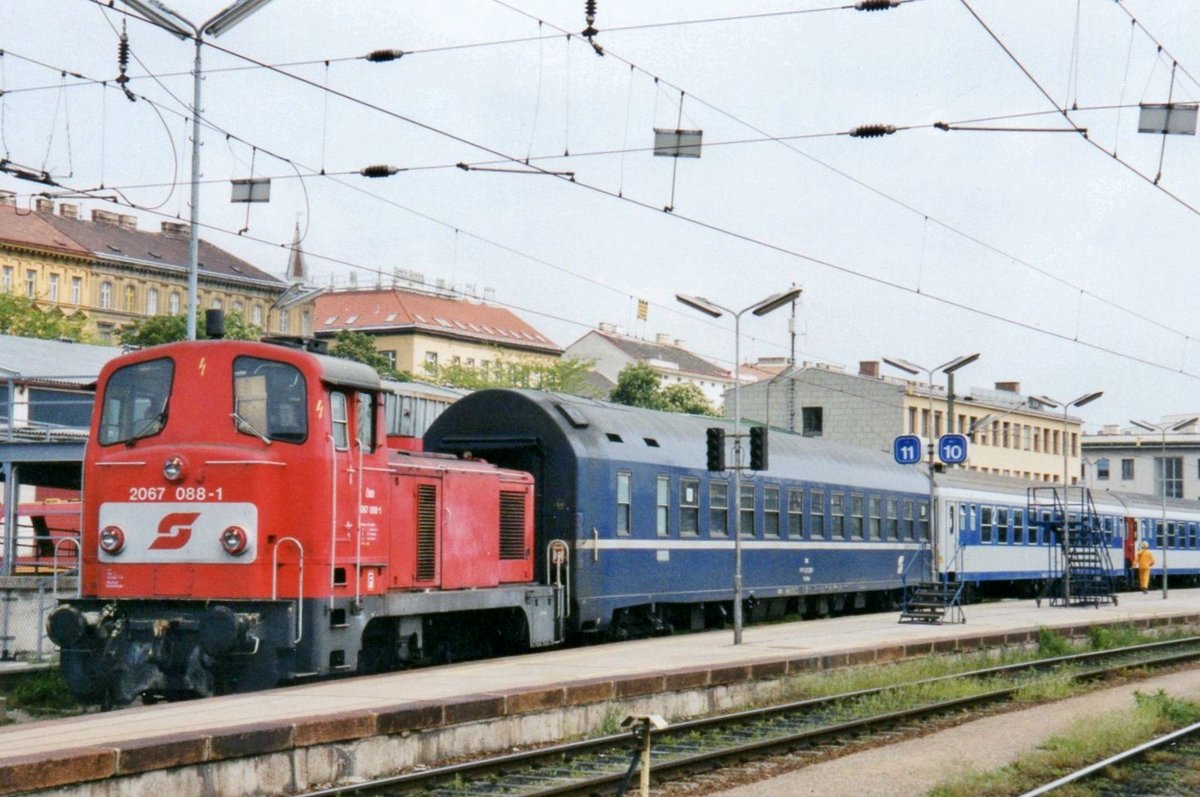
234 540
112 540
173 468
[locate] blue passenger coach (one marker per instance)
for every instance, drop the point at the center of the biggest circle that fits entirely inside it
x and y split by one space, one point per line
828 528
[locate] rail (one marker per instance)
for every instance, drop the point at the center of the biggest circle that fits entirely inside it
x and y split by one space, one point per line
299 583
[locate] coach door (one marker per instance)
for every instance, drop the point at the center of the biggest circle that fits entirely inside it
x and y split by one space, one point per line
343 490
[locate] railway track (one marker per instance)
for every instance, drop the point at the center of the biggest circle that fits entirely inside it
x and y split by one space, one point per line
1157 766
810 728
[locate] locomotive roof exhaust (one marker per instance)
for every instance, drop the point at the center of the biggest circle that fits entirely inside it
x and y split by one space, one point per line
214 324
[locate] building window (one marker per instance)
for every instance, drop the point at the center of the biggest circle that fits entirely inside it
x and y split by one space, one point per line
747 510
795 513
285 321
662 506
53 289
216 304
130 299
76 290
718 508
771 511
1168 476
173 304
256 315
1102 470
1127 470
811 419
624 502
152 301
431 360
689 507
8 279
239 309
105 295
390 356
30 284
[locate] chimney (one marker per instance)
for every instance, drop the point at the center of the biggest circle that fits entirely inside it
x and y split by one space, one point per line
68 210
662 339
128 222
175 229
8 199
1009 387
105 217
43 205
868 368
607 327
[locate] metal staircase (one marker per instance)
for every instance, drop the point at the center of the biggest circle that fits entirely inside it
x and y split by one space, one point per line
1080 568
937 601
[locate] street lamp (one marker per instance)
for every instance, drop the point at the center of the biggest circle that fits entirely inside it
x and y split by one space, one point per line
1086 398
158 14
715 310
948 368
1162 429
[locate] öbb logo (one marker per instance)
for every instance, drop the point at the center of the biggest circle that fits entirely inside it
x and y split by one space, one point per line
174 531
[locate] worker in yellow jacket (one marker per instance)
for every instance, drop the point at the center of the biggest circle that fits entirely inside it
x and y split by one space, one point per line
1145 561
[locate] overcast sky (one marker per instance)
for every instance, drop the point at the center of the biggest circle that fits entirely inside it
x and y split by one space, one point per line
1045 251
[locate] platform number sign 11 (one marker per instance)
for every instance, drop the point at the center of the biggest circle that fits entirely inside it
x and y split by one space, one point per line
906 448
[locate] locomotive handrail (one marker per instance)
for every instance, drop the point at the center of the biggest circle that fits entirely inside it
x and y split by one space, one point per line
299 583
557 558
78 575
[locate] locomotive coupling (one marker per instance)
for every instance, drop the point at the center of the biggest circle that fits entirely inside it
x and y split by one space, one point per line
67 626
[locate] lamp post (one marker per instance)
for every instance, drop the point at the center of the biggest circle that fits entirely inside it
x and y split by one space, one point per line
715 310
948 368
158 14
1162 429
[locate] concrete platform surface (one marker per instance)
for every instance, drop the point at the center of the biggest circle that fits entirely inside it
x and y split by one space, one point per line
144 737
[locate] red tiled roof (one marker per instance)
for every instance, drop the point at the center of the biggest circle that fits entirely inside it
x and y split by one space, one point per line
25 228
391 309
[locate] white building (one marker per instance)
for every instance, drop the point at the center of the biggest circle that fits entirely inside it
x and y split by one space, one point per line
1131 459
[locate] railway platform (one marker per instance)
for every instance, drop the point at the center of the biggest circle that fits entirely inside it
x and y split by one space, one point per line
298 738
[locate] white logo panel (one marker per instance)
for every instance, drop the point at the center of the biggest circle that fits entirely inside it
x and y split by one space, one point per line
186 533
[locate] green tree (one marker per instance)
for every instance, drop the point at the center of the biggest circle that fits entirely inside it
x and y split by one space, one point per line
159 329
638 386
360 347
22 317
686 397
566 375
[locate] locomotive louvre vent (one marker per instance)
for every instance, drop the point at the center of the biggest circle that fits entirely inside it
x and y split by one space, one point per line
512 525
426 532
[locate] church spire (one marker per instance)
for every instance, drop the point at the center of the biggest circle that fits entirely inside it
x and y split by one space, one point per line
297 271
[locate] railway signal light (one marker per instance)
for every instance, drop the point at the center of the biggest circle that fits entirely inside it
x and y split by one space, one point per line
716 448
758 448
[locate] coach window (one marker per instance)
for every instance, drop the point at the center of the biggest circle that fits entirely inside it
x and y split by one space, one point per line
771 511
689 507
365 412
923 519
816 515
795 499
874 517
893 521
837 515
987 530
1002 524
662 506
856 517
718 508
1019 526
624 488
135 401
269 400
906 521
1159 533
746 505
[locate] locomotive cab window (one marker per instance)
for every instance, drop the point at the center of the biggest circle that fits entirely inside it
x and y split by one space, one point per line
340 419
135 401
365 417
269 400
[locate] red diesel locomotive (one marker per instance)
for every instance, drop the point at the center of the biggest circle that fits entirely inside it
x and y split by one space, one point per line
246 522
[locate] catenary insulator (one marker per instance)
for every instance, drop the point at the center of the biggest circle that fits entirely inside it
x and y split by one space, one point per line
872 131
589 14
380 170
876 5
379 56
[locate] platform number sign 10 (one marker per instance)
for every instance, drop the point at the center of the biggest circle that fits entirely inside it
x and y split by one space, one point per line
952 448
906 448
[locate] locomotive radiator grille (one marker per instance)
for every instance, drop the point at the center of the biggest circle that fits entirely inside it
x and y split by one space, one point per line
426 532
512 525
